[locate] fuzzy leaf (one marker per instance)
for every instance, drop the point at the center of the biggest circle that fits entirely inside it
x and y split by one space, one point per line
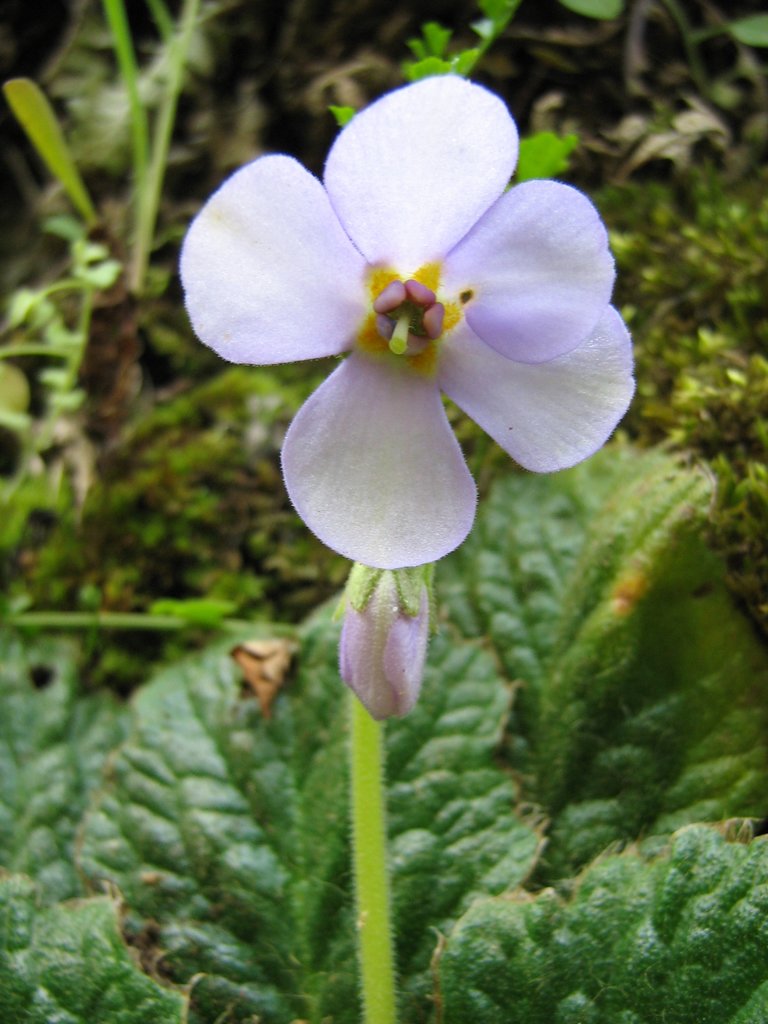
230 831
68 964
655 713
53 744
680 937
644 693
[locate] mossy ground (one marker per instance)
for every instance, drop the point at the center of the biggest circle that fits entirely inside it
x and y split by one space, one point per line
693 267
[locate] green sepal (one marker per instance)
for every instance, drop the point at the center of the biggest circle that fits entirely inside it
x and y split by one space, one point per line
361 584
409 584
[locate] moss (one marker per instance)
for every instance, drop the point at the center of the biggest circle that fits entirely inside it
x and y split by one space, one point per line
693 264
192 504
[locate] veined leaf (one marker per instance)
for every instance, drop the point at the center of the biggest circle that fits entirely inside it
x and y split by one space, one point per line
590 672
230 831
53 744
678 936
644 692
69 964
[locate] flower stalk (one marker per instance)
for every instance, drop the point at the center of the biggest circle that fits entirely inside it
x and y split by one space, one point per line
374 930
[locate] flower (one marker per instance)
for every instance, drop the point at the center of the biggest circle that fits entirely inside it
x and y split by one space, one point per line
414 258
383 642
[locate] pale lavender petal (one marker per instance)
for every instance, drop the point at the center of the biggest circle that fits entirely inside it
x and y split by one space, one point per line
373 468
540 270
361 660
404 655
412 173
548 416
268 273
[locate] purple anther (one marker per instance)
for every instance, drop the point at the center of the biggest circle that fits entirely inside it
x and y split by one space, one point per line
385 326
419 293
392 297
433 320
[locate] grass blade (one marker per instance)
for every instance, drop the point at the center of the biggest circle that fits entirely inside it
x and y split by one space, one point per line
36 116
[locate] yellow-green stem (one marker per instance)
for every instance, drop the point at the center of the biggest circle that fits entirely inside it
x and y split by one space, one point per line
148 196
369 840
129 70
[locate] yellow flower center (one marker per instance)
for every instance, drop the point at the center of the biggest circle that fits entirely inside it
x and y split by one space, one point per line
414 318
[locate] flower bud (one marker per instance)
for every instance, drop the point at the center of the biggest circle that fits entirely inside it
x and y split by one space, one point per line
384 638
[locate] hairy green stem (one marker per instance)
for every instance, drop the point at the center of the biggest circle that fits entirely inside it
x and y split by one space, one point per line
369 840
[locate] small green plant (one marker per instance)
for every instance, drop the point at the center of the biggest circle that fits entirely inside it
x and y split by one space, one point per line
430 49
150 144
543 155
51 322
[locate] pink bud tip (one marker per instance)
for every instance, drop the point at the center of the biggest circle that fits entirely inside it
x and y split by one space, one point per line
392 297
433 320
